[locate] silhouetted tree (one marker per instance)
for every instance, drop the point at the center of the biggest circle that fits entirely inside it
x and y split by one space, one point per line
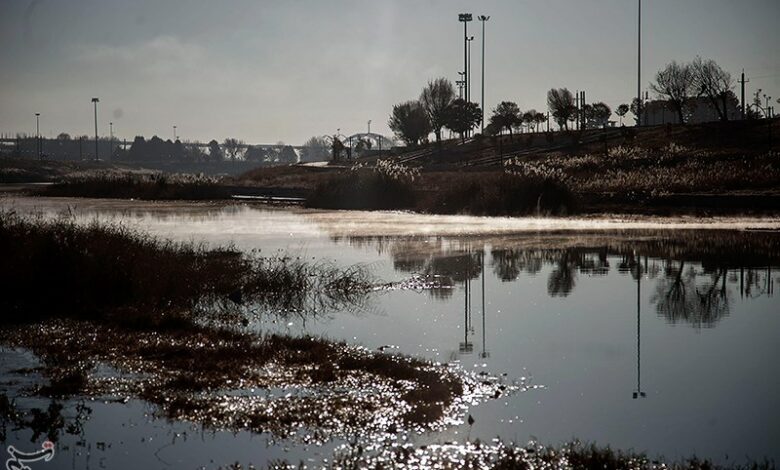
597 114
506 115
410 122
435 98
714 83
287 155
528 119
232 147
315 149
462 116
215 152
675 83
540 119
336 147
561 104
63 136
178 151
137 149
621 111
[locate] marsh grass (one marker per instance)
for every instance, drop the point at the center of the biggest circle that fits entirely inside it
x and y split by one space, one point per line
105 272
155 186
383 186
501 195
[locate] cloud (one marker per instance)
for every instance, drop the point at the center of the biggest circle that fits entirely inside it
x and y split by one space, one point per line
159 55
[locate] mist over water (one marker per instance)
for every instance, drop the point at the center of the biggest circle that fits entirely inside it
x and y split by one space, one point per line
638 336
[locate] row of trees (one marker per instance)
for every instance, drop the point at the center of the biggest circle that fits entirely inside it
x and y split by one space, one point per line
683 86
231 149
436 108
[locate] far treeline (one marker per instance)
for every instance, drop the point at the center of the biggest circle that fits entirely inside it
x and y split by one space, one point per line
693 92
65 147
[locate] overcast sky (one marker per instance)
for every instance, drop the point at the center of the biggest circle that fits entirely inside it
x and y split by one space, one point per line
286 70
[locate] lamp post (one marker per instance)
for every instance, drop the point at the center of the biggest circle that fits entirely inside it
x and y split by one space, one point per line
38 134
174 134
483 19
462 82
465 18
110 139
96 101
639 66
468 71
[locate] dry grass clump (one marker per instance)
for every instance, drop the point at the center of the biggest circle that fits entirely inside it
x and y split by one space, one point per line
109 272
516 192
385 185
155 186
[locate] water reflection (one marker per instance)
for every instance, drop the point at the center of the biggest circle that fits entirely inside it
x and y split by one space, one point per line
693 275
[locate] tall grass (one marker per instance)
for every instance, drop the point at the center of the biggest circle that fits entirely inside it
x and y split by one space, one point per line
138 186
503 195
108 272
384 186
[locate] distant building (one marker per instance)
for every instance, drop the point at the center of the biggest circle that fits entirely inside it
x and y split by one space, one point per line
697 110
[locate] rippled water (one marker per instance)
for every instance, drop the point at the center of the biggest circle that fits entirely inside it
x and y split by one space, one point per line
657 335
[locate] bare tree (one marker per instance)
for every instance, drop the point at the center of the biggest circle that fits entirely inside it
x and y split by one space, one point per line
435 98
233 147
561 104
410 122
315 149
675 83
714 83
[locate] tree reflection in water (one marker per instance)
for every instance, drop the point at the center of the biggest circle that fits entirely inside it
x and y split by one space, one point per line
696 272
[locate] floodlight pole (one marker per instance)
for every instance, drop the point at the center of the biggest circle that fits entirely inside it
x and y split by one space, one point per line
639 66
96 101
483 19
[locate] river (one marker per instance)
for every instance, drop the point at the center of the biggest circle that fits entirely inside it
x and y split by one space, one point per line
658 335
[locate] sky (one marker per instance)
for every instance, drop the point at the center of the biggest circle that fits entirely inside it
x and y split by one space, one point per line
283 71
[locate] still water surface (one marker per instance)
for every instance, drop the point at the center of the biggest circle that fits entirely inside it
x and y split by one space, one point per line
645 337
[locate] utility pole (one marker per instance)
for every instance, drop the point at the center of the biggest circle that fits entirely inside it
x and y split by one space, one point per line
577 107
639 67
96 101
742 82
483 19
582 104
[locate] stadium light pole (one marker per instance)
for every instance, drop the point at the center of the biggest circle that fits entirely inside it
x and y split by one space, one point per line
483 19
639 65
110 139
465 18
38 134
96 101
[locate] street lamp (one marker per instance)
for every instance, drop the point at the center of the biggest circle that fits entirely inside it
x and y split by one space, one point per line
174 134
111 139
38 134
465 18
483 19
639 66
96 101
468 70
